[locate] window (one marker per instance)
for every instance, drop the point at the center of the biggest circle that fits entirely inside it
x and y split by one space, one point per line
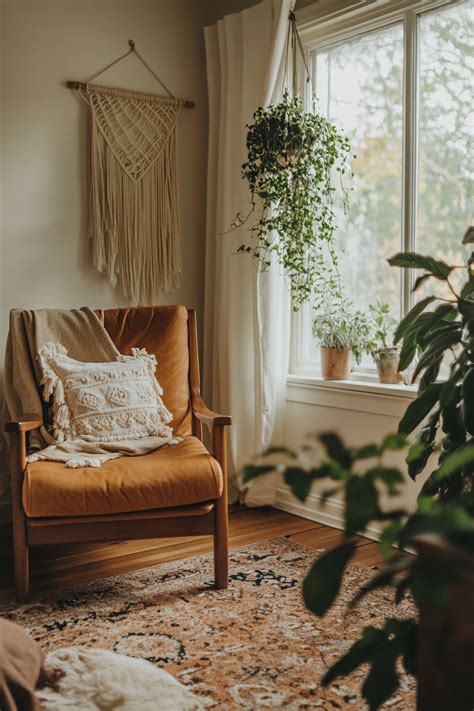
401 88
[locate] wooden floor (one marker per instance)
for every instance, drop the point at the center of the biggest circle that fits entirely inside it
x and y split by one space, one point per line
54 567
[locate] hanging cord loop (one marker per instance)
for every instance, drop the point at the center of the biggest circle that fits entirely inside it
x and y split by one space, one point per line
293 43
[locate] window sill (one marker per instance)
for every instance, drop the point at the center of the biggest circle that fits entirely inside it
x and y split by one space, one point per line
372 387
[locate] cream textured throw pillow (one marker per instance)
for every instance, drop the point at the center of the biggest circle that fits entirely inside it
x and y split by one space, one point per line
104 402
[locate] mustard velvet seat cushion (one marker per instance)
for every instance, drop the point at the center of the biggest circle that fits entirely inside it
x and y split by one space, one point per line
176 475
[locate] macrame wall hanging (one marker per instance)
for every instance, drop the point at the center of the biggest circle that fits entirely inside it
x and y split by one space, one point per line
134 214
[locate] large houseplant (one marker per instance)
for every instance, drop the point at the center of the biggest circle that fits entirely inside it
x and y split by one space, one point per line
292 158
440 578
443 570
445 410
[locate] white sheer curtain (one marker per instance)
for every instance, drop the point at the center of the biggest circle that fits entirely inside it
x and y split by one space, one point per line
247 312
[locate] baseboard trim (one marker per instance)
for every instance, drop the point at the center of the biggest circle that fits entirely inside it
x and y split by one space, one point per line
329 513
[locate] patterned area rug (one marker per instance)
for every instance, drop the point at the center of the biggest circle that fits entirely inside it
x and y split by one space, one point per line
253 646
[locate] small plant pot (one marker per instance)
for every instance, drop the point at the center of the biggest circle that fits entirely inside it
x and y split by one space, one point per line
387 365
335 363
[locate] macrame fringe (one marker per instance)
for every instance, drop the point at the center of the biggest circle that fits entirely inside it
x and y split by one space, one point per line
134 226
53 386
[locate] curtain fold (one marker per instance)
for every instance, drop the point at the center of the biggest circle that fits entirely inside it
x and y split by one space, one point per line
247 311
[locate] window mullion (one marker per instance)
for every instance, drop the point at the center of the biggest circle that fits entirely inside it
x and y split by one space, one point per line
410 152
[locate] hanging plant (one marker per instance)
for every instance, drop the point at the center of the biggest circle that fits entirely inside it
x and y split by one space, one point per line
293 158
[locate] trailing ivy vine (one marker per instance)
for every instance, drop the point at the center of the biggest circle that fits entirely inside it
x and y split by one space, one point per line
293 158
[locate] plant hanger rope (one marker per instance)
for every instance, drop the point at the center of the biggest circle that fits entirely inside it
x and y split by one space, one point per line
293 42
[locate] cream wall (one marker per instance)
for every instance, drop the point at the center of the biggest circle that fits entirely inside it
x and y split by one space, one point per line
43 244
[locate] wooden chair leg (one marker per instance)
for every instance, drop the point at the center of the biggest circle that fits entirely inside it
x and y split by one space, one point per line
221 544
22 572
20 549
221 515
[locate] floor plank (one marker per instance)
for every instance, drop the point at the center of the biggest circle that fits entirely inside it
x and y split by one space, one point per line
56 566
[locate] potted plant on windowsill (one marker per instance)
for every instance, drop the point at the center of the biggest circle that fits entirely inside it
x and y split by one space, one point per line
340 333
385 354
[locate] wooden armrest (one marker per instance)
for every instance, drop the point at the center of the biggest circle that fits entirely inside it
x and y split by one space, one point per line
24 424
207 416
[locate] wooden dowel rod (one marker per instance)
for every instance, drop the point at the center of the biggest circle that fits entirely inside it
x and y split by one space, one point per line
83 85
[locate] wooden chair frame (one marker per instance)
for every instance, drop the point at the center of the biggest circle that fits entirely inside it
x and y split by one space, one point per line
208 518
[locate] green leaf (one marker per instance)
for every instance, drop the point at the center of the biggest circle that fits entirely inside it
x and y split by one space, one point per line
382 679
299 481
411 316
468 401
390 476
466 308
383 578
361 504
252 471
335 448
393 442
442 313
370 450
469 235
360 653
463 457
408 350
279 450
390 536
322 584
438 346
412 260
421 280
419 409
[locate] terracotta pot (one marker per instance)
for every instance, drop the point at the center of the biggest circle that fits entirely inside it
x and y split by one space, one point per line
335 363
387 365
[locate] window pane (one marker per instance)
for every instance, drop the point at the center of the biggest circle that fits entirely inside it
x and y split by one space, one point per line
445 131
360 89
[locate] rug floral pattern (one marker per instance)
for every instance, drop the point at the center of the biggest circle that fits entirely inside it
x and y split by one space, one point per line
253 646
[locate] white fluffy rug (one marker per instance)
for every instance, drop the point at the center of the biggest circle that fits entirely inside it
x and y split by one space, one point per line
99 680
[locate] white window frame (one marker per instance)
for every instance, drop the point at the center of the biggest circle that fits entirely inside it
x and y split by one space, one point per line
324 32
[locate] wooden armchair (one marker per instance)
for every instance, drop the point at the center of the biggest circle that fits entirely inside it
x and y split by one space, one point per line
178 490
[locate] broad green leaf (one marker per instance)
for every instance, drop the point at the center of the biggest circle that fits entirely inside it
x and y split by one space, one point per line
393 442
434 318
410 639
361 504
280 450
382 680
389 537
421 280
335 448
430 374
299 481
370 450
409 346
419 409
322 584
468 401
466 308
463 457
412 260
469 235
411 316
360 653
252 471
390 476
438 346
383 578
